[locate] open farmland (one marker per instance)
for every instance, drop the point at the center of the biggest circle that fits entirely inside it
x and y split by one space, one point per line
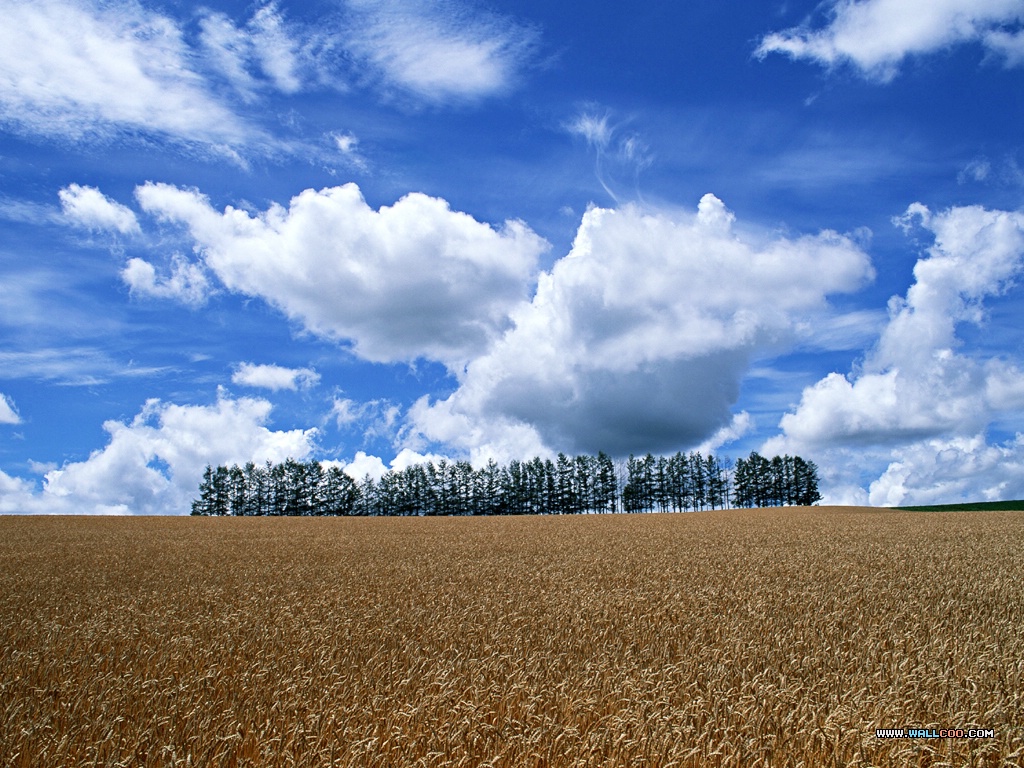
737 638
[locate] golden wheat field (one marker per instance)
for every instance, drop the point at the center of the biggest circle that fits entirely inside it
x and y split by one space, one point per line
735 638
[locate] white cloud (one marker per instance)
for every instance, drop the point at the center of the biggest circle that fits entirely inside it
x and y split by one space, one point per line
92 69
634 341
266 52
913 383
438 50
229 50
410 280
90 208
187 282
69 365
83 68
593 128
348 145
917 396
379 417
406 458
275 377
345 411
278 53
978 169
153 464
876 35
958 468
616 152
16 495
8 413
28 212
345 142
363 465
1008 45
740 425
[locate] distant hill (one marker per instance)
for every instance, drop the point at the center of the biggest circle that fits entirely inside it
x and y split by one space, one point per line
975 506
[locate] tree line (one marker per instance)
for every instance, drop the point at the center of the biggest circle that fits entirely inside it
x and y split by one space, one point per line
564 486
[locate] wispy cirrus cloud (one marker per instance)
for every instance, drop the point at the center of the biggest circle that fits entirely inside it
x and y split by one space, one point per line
267 52
618 152
85 69
438 50
8 413
347 144
71 366
875 36
91 70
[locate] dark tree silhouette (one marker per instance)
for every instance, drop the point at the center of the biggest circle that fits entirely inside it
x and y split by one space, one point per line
569 485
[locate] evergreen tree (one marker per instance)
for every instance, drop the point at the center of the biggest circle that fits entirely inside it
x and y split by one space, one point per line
340 493
715 479
631 491
805 482
463 482
569 485
606 490
204 504
366 504
490 490
564 498
516 488
584 481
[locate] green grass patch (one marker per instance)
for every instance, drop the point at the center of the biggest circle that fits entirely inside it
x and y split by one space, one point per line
974 506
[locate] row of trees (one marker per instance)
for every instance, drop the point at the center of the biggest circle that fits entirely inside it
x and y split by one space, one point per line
776 482
675 483
568 485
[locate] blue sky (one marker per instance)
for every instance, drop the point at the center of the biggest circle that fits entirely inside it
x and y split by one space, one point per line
378 232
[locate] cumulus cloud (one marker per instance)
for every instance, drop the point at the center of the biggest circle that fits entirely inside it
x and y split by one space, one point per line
153 464
438 50
186 283
916 396
84 68
90 208
410 280
957 468
364 464
740 425
877 35
914 383
634 341
274 377
8 413
16 495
